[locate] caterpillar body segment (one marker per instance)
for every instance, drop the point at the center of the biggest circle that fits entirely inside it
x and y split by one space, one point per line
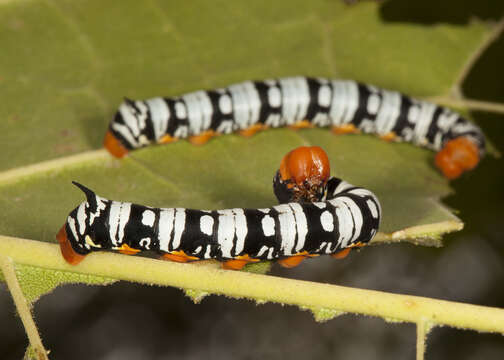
346 217
298 102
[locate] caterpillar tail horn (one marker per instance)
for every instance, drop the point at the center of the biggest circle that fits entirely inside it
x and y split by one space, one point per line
90 195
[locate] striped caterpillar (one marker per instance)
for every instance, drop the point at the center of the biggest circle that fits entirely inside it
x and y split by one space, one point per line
347 217
317 215
298 102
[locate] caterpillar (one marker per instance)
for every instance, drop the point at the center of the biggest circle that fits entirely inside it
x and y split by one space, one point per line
346 217
298 102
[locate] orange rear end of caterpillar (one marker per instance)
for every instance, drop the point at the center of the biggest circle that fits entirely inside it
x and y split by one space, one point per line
114 146
67 251
457 155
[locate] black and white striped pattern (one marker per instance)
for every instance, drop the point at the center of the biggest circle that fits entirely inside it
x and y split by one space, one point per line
348 216
286 101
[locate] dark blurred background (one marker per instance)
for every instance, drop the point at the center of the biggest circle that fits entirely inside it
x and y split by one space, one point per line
131 321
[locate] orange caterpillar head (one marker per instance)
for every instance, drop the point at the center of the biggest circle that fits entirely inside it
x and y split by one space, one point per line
303 175
457 155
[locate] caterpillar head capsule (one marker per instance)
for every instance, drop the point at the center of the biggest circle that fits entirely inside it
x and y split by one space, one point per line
458 155
302 176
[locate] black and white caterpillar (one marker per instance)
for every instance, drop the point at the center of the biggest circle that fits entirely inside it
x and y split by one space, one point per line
346 106
346 217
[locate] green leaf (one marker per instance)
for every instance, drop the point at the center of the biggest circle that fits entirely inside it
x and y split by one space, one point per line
29 278
30 354
70 63
323 314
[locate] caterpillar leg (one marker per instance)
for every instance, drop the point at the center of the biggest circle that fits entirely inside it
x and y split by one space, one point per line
457 155
178 256
127 250
341 254
295 260
292 261
345 129
390 136
114 146
238 263
67 251
167 139
305 124
202 138
253 129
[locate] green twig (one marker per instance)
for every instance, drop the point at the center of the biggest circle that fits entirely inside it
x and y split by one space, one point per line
7 266
209 278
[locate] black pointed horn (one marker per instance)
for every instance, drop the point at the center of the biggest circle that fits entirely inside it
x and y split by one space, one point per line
90 195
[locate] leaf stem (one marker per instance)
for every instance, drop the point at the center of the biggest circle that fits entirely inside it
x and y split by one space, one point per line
469 104
7 266
456 90
17 174
423 329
